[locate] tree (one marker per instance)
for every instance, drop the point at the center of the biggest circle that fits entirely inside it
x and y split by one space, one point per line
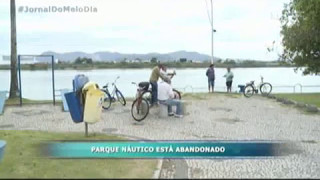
13 60
78 61
153 60
300 30
182 60
229 61
89 61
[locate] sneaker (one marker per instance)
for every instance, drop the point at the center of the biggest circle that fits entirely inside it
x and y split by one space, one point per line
171 114
178 116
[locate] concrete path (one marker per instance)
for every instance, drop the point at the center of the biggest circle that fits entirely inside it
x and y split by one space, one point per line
218 117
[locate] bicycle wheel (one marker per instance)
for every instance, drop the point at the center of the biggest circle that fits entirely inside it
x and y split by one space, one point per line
106 101
265 88
248 91
177 94
140 109
147 95
120 97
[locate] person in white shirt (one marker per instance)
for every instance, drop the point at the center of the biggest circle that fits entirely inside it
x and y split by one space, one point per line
166 96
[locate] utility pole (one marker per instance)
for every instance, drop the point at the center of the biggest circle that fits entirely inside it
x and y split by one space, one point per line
212 31
13 55
210 17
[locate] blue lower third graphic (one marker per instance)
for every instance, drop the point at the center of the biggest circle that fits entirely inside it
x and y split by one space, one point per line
161 149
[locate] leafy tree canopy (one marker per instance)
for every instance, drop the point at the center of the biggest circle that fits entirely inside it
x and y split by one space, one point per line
300 32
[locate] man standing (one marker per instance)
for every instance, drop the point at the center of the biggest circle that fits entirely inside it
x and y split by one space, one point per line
211 77
155 74
166 96
229 78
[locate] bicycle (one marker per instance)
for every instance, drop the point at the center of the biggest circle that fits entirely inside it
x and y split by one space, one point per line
140 106
147 93
264 87
143 99
110 98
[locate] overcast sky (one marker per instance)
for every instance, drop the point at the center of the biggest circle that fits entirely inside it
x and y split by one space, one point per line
245 28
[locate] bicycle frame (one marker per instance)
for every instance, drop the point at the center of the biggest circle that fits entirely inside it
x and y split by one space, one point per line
139 91
112 94
257 87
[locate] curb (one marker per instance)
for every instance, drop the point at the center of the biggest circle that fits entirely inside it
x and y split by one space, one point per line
157 172
300 105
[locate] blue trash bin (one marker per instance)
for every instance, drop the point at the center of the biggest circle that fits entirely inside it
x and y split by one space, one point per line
63 98
241 88
75 108
2 147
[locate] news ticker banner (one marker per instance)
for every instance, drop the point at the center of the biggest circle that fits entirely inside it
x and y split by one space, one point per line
161 149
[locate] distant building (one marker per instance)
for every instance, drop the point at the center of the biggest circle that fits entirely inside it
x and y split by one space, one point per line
4 59
145 61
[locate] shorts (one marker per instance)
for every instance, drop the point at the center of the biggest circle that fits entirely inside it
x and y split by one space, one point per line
229 83
211 82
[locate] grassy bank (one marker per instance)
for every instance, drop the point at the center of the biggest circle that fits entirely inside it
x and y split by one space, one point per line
16 101
22 159
308 98
205 95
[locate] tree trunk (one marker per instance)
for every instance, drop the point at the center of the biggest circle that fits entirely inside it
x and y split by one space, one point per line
14 79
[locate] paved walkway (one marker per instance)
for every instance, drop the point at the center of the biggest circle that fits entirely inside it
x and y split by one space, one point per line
219 117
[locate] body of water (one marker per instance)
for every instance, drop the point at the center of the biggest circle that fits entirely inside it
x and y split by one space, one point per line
38 84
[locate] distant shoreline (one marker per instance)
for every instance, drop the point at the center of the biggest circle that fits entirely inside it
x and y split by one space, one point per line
134 66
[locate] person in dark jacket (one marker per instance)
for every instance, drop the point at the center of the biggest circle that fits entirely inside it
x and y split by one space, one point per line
154 77
211 77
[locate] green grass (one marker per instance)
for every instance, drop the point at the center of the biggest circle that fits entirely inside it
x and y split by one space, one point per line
308 98
205 96
16 101
22 159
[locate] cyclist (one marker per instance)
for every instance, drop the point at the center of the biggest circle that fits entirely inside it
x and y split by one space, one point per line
154 77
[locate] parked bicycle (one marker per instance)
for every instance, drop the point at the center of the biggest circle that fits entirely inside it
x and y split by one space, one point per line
116 95
264 87
140 106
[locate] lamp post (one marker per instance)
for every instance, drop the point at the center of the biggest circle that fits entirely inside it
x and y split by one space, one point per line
212 32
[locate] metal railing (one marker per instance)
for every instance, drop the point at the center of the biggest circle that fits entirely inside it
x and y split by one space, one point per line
60 91
297 88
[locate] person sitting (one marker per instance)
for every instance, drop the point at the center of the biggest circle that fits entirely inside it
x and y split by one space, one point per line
166 97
